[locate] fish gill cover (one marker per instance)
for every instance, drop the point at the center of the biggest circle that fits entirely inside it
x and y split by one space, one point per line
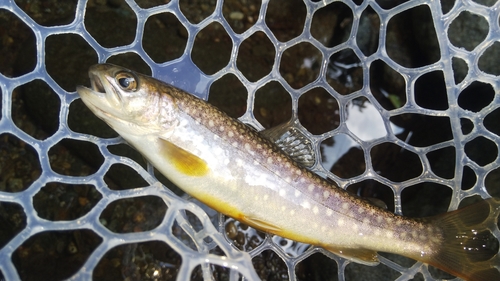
399 99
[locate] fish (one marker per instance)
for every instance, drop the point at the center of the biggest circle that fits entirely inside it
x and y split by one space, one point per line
248 176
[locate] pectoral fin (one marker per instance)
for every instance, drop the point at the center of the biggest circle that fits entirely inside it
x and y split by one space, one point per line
362 256
184 161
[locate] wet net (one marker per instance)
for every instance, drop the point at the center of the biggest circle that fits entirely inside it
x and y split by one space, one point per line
399 98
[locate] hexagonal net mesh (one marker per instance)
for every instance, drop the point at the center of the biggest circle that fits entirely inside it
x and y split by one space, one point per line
399 98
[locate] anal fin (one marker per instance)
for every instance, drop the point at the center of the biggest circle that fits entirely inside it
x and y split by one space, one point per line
362 256
260 224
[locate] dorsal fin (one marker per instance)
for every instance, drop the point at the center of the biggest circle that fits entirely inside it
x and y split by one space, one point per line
292 142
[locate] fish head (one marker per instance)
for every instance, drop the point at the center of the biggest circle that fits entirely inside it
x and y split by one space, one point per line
131 103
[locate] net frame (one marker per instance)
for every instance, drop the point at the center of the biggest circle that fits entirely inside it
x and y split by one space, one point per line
240 262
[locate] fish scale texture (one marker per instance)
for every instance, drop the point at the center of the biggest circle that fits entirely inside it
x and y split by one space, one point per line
202 239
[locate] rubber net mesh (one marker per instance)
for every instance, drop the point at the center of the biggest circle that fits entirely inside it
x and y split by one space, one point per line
400 100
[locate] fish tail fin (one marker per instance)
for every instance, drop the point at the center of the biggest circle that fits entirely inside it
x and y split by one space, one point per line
469 250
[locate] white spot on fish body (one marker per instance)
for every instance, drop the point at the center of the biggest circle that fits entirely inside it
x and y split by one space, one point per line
380 219
361 210
329 212
235 144
282 192
221 128
288 179
377 232
345 206
297 193
435 239
230 134
306 205
239 162
269 160
248 148
389 234
315 210
211 123
326 194
266 197
340 222
218 151
310 187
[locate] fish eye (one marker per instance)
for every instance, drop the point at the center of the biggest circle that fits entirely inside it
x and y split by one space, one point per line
126 81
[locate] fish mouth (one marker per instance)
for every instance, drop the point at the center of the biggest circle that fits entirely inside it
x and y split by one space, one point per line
101 87
101 96
96 94
96 87
96 84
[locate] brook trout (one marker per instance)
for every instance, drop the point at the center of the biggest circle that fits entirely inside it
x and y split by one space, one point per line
242 174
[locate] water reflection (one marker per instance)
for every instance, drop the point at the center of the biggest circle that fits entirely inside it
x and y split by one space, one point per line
365 122
185 75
